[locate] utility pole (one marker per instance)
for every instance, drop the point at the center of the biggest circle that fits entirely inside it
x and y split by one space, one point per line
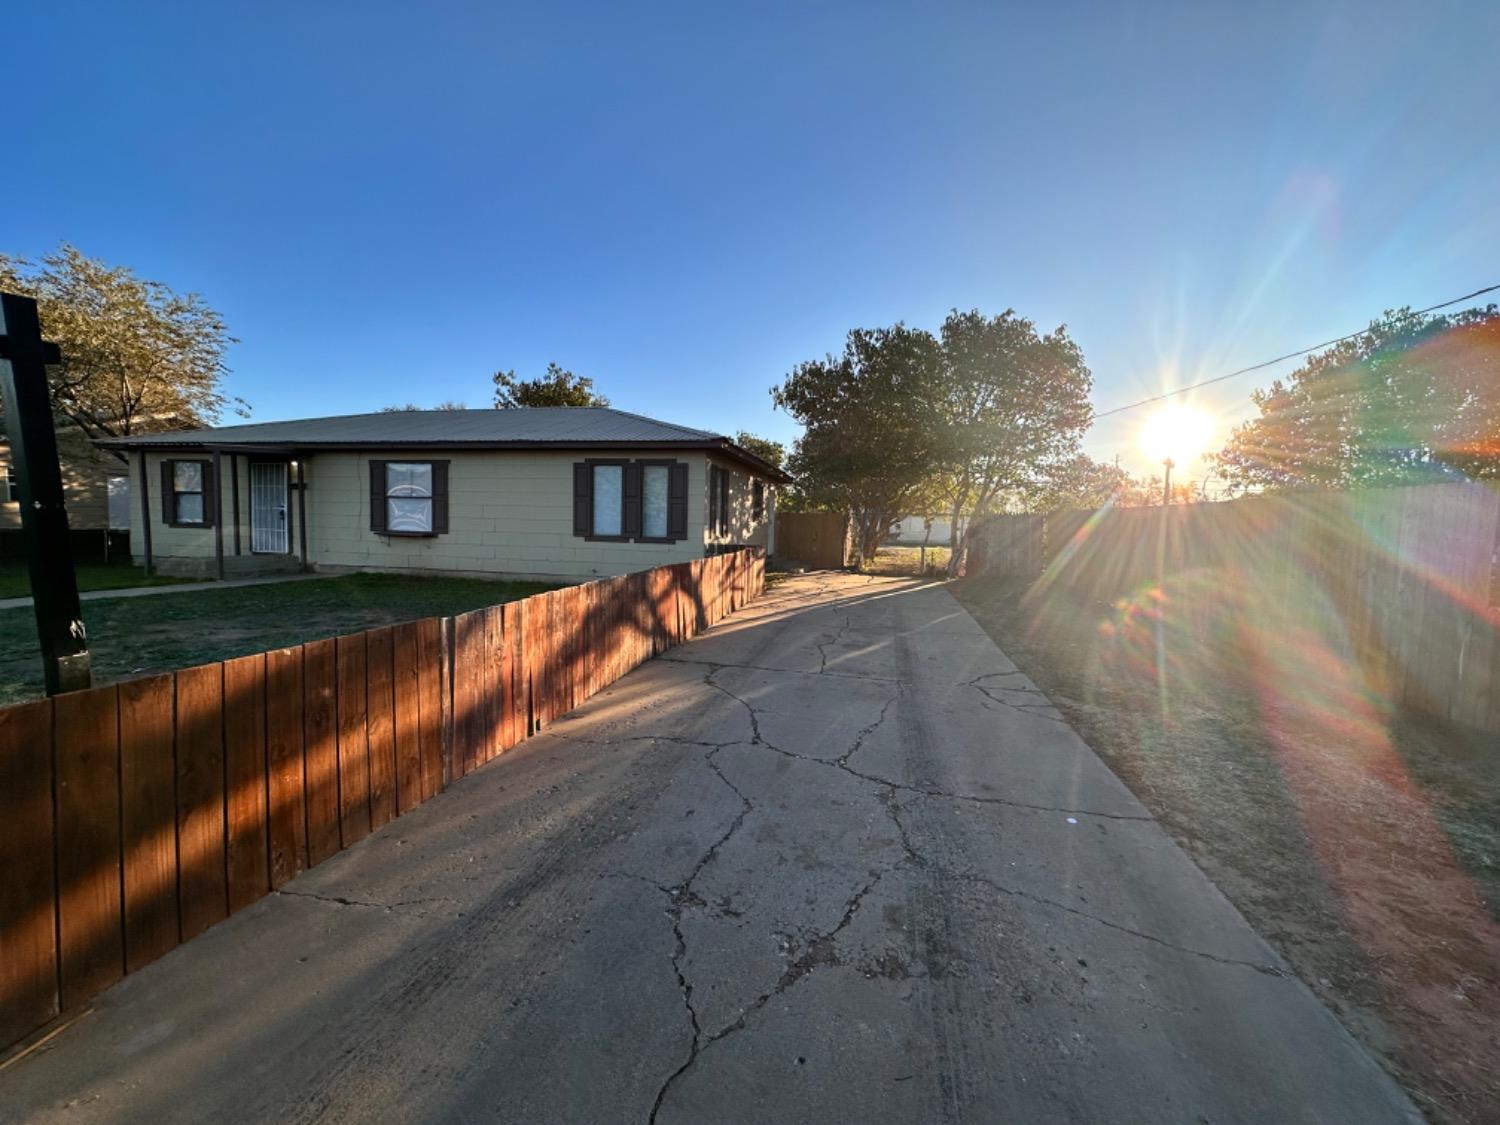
24 357
1166 484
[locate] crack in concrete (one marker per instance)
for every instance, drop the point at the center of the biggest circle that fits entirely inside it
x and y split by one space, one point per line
919 860
823 646
1042 710
784 671
859 739
681 896
388 907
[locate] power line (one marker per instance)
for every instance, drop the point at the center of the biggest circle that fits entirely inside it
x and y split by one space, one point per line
1281 358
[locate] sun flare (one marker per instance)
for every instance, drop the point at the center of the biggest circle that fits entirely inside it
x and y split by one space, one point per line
1176 432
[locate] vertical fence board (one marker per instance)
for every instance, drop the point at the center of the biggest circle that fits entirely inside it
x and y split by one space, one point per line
202 881
494 693
28 935
430 703
354 746
405 710
148 824
91 939
321 758
246 854
381 725
286 815
505 689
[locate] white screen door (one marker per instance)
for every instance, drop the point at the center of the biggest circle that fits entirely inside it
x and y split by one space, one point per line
268 508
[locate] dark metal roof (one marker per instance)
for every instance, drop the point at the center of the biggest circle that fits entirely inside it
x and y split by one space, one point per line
523 428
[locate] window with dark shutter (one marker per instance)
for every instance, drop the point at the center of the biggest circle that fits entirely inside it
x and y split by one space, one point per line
640 501
409 497
187 493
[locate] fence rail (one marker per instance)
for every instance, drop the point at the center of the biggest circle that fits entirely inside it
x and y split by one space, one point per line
1411 575
141 813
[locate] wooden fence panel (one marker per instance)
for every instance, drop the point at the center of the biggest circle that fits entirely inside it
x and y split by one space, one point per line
353 741
172 801
405 712
430 663
28 935
91 940
286 818
201 875
380 724
247 850
148 819
320 758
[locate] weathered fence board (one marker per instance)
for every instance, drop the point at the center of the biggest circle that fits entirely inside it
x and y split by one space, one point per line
28 934
1409 574
138 815
148 819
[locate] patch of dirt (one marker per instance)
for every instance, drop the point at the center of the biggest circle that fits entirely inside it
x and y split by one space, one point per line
1362 840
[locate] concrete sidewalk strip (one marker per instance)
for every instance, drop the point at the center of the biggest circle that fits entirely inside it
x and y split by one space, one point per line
179 588
837 860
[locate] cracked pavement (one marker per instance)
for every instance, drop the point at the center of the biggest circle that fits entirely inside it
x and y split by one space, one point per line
836 860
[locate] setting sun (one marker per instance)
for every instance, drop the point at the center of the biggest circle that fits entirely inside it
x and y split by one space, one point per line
1180 433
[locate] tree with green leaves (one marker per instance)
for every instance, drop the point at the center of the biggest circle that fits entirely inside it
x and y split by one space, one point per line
1414 398
868 442
1075 484
558 387
771 452
1010 408
137 356
411 407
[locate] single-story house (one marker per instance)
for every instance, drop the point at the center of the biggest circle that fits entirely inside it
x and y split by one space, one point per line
96 491
560 492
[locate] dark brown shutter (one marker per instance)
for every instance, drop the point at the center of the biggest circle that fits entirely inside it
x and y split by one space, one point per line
168 494
210 494
677 496
582 499
377 497
723 501
440 497
630 500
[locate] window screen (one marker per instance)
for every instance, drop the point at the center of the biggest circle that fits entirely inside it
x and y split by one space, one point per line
408 496
609 486
654 488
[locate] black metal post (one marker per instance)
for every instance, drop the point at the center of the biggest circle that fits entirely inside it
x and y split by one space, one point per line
24 357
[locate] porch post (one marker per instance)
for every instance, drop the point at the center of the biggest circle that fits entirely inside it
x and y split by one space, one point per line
218 519
145 507
302 512
234 487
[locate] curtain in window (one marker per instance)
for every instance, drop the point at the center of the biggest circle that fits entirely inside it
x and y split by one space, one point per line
654 480
408 490
187 486
609 483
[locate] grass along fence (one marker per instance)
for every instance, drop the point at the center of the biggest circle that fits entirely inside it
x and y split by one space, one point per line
141 813
1402 584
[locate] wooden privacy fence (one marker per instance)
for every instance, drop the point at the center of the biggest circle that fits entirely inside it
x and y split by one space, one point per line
139 814
1412 574
818 540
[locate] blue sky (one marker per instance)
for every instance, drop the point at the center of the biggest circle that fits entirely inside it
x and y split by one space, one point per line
390 201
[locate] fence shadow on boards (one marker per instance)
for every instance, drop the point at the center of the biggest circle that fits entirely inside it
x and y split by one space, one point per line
141 813
1406 580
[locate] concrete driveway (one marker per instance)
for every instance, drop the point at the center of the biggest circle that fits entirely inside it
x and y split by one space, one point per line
835 861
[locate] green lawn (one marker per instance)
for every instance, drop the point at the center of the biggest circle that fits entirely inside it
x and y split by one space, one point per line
135 636
14 582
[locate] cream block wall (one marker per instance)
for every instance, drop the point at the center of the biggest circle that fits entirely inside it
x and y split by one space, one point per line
743 528
183 548
508 513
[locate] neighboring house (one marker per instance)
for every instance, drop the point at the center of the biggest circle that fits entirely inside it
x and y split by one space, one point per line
912 529
96 485
540 492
